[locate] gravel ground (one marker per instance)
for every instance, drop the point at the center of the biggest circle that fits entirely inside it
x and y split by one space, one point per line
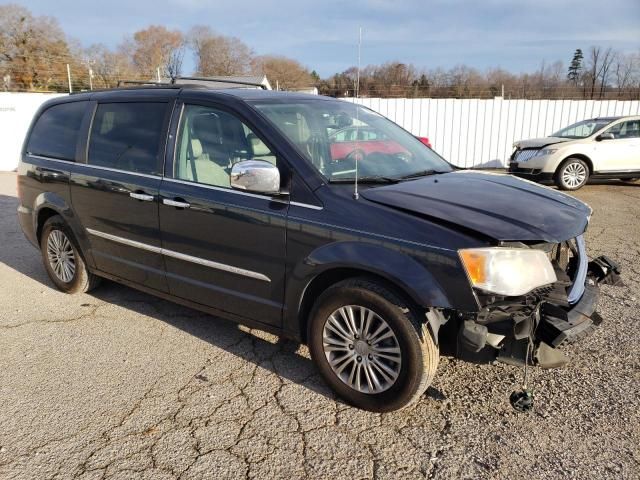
119 384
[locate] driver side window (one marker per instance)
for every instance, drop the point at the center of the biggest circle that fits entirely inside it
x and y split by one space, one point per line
210 141
629 129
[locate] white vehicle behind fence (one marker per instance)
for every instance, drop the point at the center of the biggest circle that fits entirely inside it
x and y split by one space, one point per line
607 147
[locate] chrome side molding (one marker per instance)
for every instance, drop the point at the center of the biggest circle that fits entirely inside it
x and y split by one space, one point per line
180 256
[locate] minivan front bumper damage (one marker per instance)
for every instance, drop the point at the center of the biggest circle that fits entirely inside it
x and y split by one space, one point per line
530 329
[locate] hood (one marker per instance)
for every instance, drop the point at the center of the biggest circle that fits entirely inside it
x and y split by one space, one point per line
540 142
502 207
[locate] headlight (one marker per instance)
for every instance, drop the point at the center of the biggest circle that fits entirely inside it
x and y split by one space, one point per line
546 151
507 271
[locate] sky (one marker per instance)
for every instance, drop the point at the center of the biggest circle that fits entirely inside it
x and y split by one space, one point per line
323 34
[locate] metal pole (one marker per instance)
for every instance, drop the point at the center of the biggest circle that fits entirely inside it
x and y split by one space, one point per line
90 79
358 72
158 73
69 78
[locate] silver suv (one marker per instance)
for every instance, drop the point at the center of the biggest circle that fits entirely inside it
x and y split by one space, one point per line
606 147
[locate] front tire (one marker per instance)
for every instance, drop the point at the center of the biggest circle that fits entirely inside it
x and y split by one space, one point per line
371 346
62 259
572 174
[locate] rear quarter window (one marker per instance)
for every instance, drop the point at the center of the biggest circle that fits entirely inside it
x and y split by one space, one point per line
55 133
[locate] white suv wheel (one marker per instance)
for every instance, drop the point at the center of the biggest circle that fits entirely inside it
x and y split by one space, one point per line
572 174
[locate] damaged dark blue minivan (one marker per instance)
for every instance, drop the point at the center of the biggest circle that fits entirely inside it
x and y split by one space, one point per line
313 218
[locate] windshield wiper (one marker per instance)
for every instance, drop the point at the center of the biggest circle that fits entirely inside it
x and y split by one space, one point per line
370 179
421 173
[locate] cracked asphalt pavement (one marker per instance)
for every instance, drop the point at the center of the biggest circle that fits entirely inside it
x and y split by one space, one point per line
119 384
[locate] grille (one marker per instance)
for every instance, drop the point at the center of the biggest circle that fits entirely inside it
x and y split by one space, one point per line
524 155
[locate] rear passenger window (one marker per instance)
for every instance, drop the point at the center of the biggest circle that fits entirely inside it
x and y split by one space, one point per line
55 133
126 136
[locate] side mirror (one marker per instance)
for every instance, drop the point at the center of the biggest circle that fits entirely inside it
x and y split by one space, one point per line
605 136
258 176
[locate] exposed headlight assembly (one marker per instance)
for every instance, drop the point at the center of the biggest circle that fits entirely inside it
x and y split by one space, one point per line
507 271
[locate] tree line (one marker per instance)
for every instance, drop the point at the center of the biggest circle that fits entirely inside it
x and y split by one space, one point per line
36 55
602 74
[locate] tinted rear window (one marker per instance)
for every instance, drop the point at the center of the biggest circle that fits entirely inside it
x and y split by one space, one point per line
126 136
55 133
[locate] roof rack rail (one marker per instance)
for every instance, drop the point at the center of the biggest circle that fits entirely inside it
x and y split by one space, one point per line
142 82
205 79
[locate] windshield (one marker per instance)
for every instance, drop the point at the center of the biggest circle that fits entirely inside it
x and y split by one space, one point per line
333 135
583 129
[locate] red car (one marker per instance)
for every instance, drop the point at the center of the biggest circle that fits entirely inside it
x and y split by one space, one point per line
362 141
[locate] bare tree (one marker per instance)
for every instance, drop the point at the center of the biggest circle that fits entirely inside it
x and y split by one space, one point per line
109 66
599 69
219 55
607 61
285 72
463 80
33 50
626 72
155 47
591 75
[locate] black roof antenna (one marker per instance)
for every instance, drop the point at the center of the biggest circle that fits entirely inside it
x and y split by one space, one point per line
356 195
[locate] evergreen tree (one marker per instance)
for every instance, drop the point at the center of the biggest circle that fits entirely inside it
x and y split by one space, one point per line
575 67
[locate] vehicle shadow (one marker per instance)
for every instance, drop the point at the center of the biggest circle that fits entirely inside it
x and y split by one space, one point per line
286 358
278 355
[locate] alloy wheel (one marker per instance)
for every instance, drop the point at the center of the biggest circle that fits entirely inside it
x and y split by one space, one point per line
362 349
61 257
574 175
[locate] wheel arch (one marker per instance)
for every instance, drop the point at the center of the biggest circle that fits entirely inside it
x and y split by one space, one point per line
49 204
580 156
44 214
328 278
397 271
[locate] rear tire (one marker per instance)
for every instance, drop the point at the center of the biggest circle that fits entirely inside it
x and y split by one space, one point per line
63 260
572 174
385 357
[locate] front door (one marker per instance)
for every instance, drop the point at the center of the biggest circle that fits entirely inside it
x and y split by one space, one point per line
116 193
622 152
223 248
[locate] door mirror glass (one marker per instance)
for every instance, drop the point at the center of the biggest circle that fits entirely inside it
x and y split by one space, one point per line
605 136
258 176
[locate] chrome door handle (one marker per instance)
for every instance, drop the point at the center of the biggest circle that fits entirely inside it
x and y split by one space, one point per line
141 196
175 203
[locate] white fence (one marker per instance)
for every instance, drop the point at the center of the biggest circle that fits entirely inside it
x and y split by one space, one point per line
467 132
480 133
16 112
